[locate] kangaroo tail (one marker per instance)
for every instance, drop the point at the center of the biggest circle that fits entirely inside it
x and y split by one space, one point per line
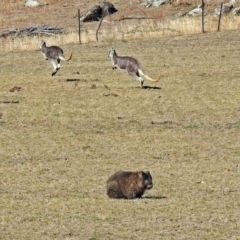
148 78
66 59
70 56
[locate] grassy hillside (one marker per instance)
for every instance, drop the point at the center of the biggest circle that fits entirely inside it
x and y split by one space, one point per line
68 133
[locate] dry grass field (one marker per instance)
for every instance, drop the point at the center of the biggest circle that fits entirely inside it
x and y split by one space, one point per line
63 136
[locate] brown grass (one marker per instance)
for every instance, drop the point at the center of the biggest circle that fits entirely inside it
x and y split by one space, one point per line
68 133
15 15
125 31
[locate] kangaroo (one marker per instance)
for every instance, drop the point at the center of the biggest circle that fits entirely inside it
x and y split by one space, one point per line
54 54
131 65
128 185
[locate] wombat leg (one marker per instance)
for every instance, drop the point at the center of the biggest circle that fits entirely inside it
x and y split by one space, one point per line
131 195
139 195
114 194
113 191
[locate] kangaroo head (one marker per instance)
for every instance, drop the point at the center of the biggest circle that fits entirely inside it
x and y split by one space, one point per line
42 44
112 52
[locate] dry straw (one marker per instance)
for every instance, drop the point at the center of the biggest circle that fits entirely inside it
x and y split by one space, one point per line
126 30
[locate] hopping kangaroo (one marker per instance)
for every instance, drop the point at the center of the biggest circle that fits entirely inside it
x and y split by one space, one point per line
131 65
54 54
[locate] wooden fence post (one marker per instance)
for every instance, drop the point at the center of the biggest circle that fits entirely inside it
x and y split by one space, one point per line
79 27
203 16
220 15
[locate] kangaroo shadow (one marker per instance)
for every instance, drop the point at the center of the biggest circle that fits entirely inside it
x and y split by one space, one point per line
154 197
151 87
73 80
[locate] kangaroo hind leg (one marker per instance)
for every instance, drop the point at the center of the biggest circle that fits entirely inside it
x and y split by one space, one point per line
58 64
137 76
140 79
55 67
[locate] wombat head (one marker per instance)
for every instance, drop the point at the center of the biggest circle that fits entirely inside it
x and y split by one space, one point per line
145 180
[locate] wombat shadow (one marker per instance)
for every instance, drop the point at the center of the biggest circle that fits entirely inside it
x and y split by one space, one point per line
154 197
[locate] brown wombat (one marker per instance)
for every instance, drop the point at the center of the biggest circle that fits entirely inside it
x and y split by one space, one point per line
128 185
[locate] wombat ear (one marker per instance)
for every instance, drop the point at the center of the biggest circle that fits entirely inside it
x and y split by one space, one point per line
140 174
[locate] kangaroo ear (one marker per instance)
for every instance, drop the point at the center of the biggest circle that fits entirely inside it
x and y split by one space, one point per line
41 43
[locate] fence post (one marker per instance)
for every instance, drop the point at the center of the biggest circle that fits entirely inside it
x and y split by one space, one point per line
220 15
203 16
79 27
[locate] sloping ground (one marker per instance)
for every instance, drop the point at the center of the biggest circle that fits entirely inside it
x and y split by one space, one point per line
63 139
64 13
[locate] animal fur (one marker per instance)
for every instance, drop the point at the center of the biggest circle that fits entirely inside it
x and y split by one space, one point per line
128 185
131 65
54 54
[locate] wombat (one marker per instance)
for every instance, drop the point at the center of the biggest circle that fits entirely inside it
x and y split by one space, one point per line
128 185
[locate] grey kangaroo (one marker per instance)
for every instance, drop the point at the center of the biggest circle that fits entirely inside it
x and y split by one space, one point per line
131 65
54 54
